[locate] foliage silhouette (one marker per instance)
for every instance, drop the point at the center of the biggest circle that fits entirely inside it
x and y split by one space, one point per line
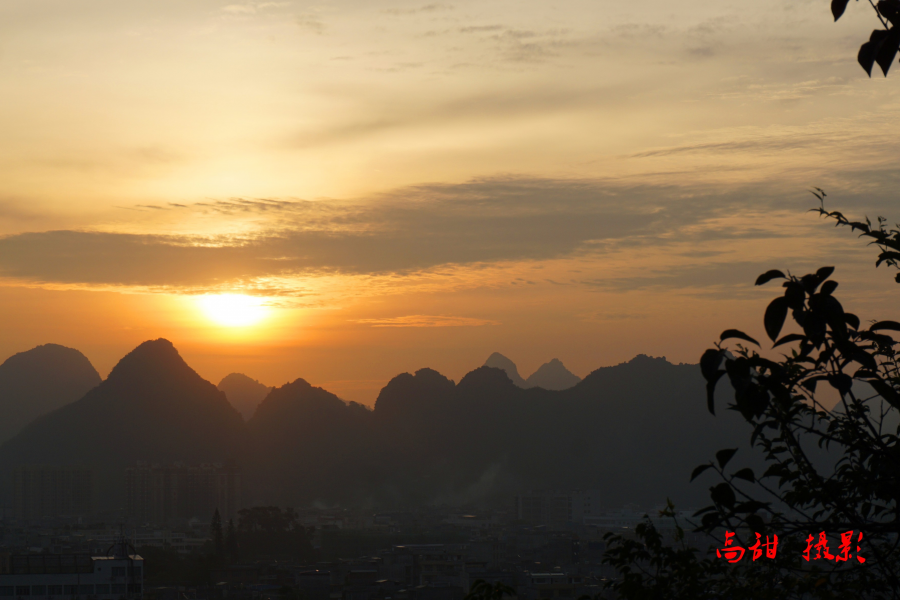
799 495
482 590
215 532
884 43
231 541
270 531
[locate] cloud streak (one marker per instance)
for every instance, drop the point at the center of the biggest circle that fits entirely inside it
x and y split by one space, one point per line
416 229
426 321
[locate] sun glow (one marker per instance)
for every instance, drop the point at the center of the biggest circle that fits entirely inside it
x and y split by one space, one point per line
234 310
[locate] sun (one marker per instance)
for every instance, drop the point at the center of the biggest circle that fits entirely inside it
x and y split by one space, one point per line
234 310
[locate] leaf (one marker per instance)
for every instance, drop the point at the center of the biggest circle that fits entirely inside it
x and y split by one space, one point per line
709 363
756 431
710 521
824 273
735 333
886 391
791 337
775 315
746 475
885 256
774 470
851 320
889 325
755 523
711 392
810 384
841 382
869 51
814 327
890 10
722 494
795 293
769 276
888 50
723 456
838 7
828 287
699 470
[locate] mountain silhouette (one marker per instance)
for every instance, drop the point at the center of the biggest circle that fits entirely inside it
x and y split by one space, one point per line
39 381
634 430
552 375
307 444
498 361
153 407
243 393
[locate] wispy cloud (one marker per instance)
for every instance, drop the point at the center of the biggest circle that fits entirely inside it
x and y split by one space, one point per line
311 22
426 8
426 321
422 228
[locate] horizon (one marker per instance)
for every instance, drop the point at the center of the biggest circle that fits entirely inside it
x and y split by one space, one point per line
455 378
286 189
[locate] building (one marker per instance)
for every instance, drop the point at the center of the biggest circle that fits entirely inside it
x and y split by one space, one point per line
557 508
71 577
434 565
163 494
52 491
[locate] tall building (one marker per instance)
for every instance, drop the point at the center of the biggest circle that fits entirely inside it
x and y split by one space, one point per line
557 508
52 491
161 494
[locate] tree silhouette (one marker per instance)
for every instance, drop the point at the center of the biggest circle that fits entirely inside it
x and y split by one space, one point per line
215 532
231 542
832 470
482 590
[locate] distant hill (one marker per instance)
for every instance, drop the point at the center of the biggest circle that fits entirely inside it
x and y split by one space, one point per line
243 393
307 444
39 381
634 430
498 361
152 407
552 375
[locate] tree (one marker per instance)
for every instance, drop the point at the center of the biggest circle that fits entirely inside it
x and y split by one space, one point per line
231 542
271 531
832 470
482 590
215 532
883 43
267 518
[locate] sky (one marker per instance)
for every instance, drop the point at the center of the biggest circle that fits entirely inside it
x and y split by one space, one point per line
344 191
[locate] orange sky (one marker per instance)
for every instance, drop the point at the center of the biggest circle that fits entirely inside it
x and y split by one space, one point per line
411 184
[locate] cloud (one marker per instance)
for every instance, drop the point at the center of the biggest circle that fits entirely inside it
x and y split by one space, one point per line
311 23
480 107
252 7
427 8
419 229
426 321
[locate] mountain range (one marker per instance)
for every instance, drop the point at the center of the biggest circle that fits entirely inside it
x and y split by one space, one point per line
634 431
552 375
243 393
39 381
151 407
